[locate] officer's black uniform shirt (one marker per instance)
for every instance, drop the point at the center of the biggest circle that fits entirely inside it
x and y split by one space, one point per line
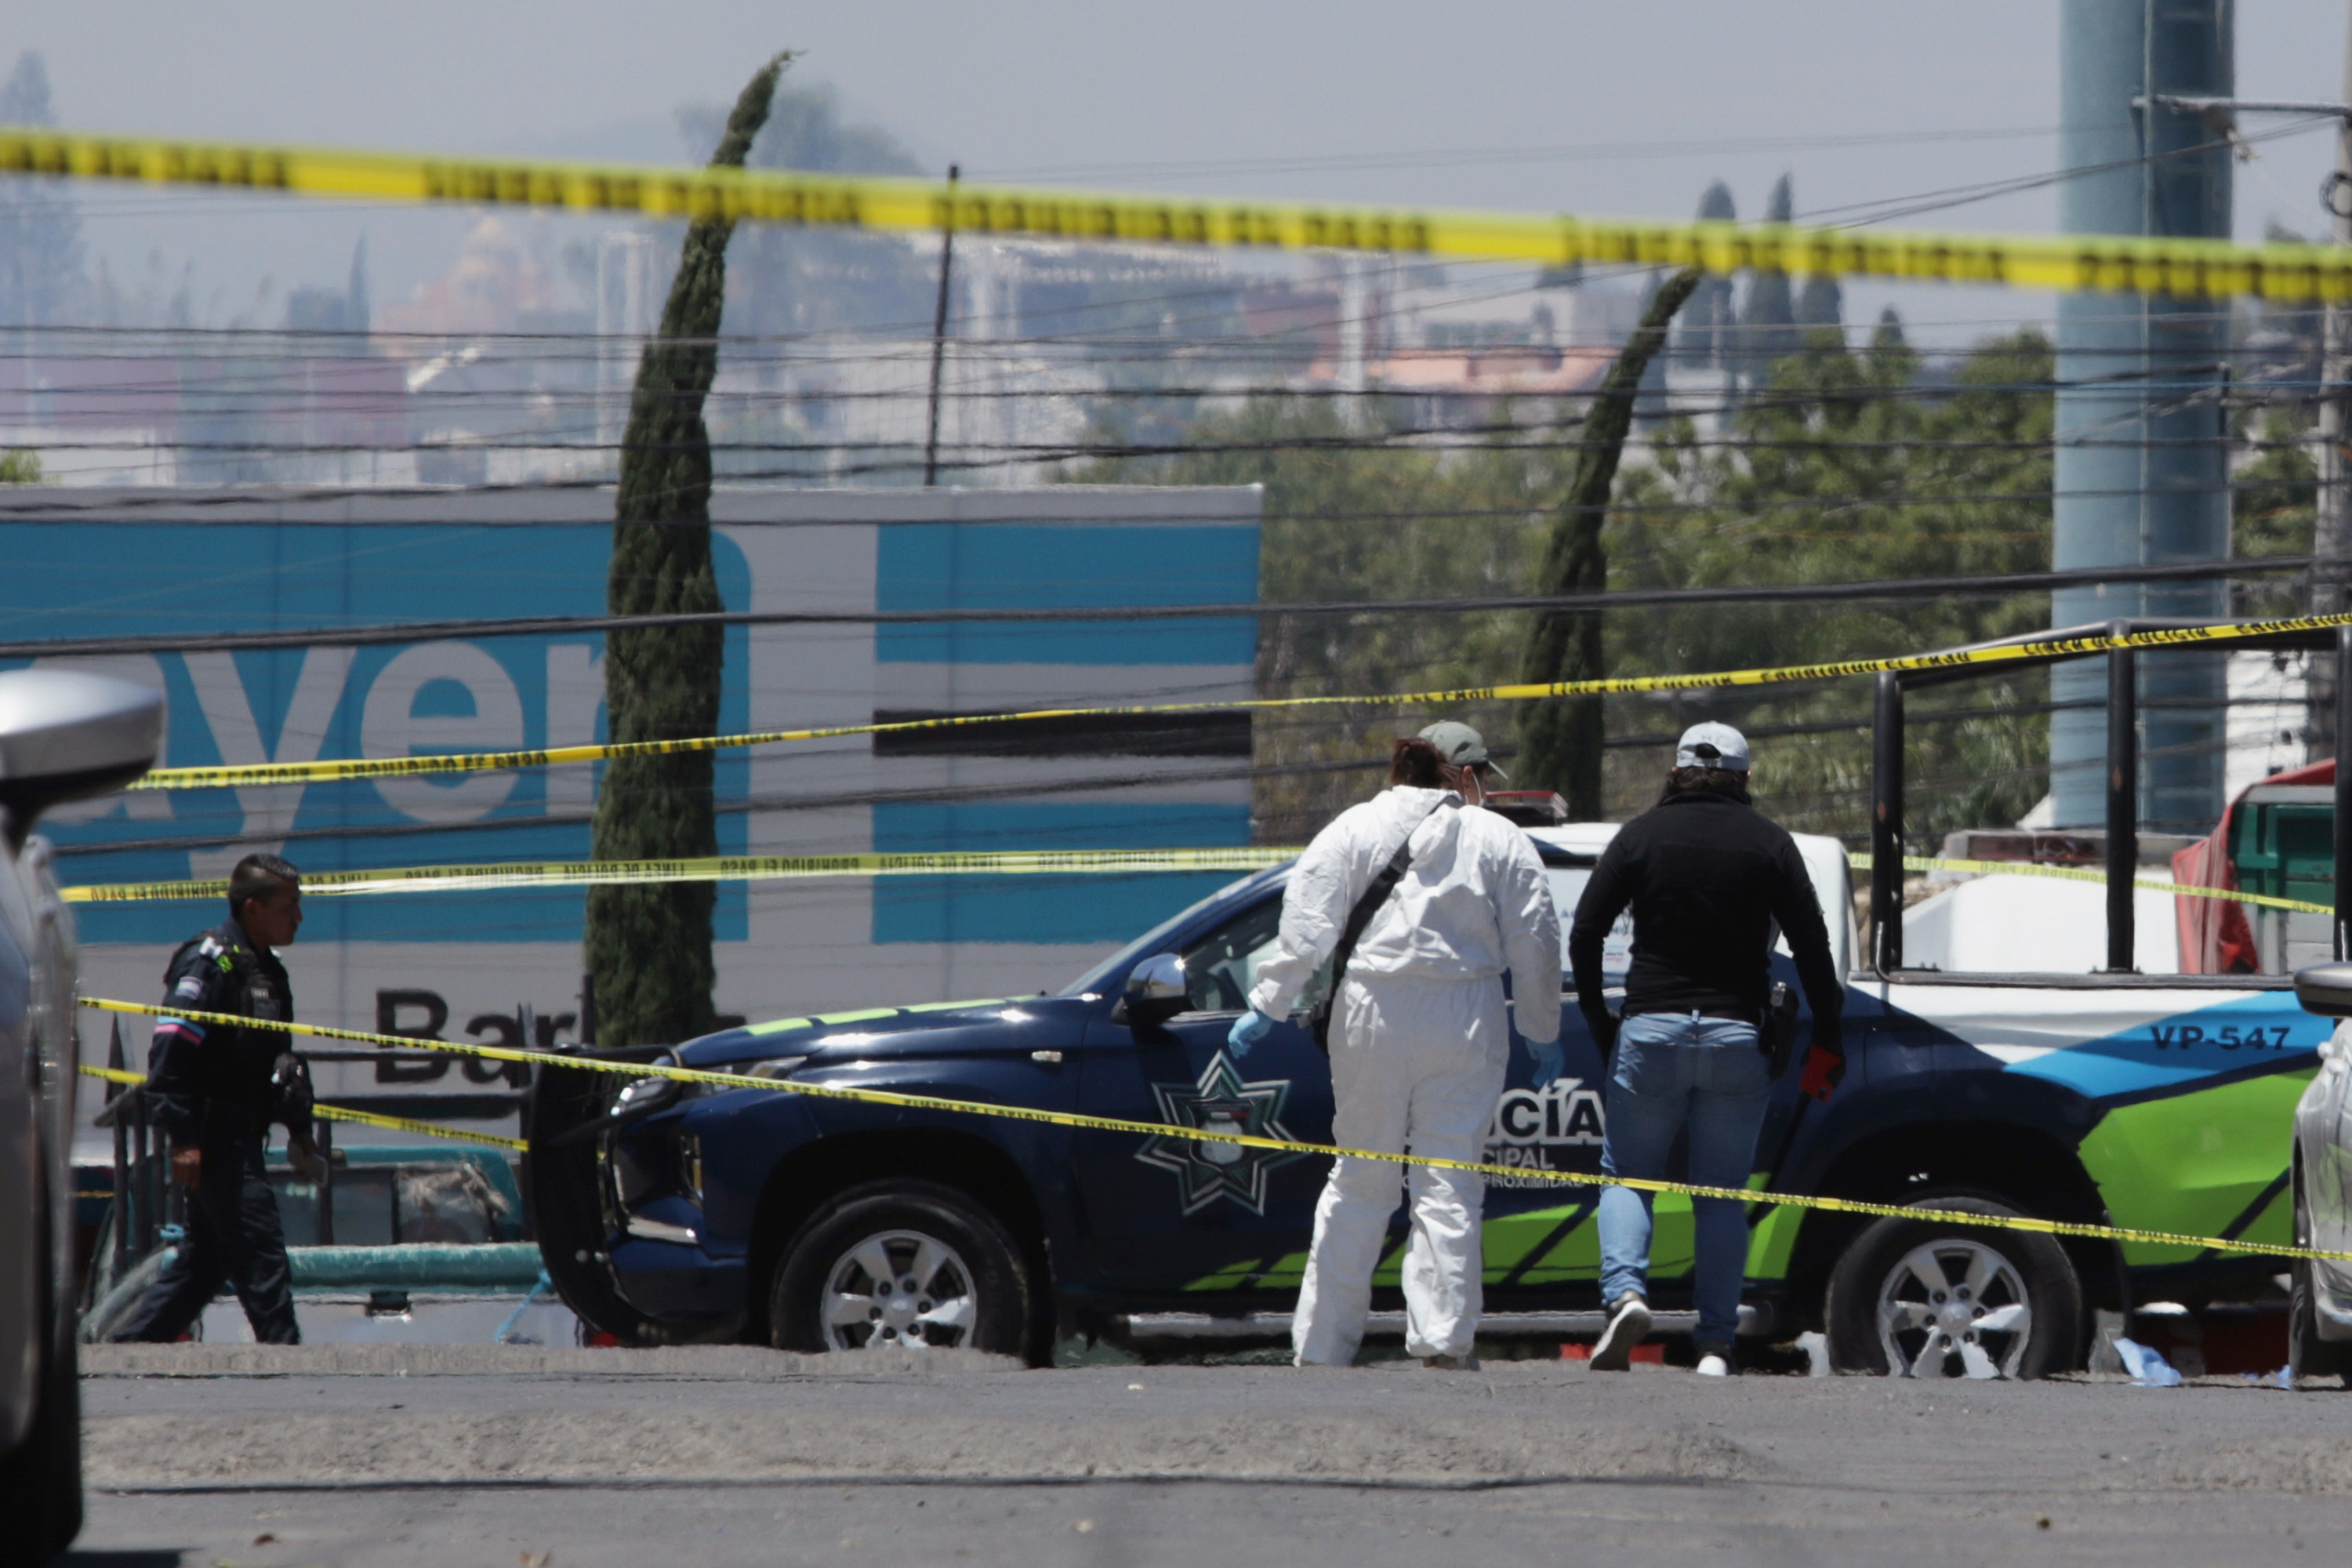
217 1079
1706 875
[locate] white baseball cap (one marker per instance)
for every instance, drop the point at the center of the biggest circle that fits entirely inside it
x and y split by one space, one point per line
1712 746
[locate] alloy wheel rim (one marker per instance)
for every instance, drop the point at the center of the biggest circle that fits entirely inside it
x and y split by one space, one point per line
1954 1308
899 1289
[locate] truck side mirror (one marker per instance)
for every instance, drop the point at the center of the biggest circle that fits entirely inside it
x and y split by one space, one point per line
1156 991
2326 989
65 736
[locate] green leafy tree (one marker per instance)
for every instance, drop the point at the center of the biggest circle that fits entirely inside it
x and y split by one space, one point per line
649 945
1345 521
1840 469
1841 465
2277 499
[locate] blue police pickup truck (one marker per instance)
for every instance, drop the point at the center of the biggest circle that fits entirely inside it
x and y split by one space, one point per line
670 1212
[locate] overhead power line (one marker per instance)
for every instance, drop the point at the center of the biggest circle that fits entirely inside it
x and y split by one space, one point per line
1631 599
1088 783
1456 157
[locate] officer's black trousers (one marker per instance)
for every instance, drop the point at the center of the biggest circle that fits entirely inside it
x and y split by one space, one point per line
233 1238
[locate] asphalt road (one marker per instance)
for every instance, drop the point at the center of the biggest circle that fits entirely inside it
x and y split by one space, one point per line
248 1458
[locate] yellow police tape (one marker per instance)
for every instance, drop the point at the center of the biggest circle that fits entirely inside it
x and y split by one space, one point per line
476 762
2204 268
1862 862
1244 1140
346 1113
711 869
1015 862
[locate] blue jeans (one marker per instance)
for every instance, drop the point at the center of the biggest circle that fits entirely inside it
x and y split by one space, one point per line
1672 1070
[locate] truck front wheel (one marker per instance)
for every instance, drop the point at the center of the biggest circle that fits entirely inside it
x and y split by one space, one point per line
901 1264
1922 1298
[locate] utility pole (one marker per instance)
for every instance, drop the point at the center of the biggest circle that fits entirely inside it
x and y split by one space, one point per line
2331 573
2142 439
1354 306
940 325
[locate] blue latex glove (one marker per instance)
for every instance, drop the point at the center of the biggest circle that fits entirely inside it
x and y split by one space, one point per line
1247 1031
1550 1060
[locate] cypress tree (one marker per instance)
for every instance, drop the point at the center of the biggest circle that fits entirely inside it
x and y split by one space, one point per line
1768 326
1559 748
1822 303
1710 323
648 946
1819 303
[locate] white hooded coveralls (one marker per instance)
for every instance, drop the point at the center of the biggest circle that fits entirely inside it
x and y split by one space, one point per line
1419 1048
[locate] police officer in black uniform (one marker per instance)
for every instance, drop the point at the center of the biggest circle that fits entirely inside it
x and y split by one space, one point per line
216 1088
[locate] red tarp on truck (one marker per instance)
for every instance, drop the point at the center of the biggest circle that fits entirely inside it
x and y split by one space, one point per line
2215 936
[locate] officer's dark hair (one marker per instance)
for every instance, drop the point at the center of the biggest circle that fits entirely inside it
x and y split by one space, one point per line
1416 763
1689 781
258 876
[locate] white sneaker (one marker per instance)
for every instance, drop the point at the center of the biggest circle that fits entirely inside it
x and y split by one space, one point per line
1713 1365
1629 1325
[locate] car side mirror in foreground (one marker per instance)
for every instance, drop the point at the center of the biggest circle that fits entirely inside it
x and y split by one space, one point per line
1156 990
65 736
2326 989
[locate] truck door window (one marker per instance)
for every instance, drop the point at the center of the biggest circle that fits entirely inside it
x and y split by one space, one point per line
1220 968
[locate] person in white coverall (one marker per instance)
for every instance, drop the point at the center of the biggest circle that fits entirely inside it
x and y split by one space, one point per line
1420 1039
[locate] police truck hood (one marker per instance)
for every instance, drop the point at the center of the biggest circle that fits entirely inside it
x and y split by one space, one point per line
936 1028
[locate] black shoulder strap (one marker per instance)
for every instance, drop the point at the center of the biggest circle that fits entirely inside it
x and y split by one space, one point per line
1358 918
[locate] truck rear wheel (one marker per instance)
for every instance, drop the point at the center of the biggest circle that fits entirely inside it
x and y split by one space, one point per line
1919 1297
901 1264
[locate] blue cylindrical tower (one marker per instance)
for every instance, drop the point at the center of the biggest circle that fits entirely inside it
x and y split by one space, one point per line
2142 435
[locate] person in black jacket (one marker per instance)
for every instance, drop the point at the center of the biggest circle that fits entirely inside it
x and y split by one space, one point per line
1709 879
215 1088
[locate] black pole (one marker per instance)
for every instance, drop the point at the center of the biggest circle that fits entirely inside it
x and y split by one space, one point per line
1886 826
121 1200
2343 788
134 1191
147 1158
324 1209
2123 805
940 326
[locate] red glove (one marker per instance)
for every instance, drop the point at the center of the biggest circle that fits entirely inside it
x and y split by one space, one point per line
1824 1070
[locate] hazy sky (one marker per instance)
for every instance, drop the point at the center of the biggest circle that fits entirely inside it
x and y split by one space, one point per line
1562 105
